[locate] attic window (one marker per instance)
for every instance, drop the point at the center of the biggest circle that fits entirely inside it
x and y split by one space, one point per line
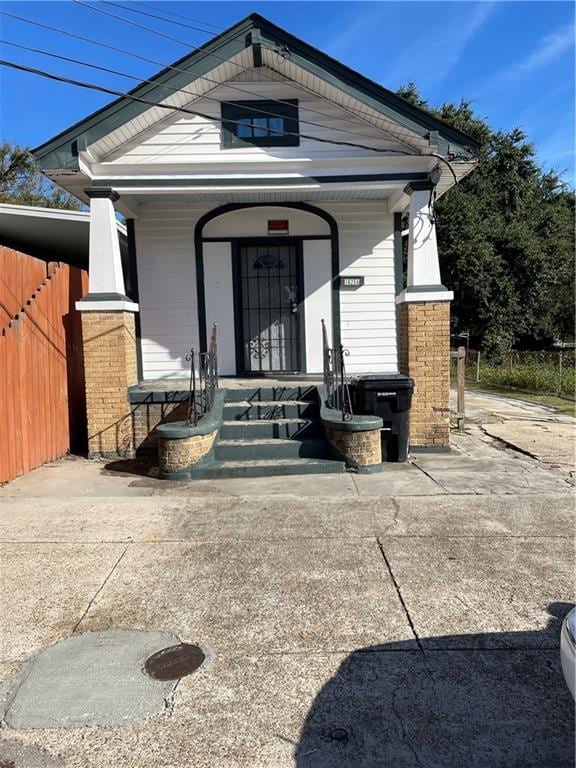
260 123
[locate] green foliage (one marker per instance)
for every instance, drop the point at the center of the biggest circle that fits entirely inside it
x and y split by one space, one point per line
528 371
536 373
21 182
506 240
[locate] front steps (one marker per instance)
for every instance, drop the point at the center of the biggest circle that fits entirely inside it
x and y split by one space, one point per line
270 431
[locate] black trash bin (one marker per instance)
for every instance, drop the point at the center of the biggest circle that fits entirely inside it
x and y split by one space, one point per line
388 395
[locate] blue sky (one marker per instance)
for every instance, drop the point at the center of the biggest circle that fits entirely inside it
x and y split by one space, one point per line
514 60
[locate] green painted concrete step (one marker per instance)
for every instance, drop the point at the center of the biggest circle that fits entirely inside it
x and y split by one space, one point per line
269 409
269 468
267 393
270 431
271 448
266 428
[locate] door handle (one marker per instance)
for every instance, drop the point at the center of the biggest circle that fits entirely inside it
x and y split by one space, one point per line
294 307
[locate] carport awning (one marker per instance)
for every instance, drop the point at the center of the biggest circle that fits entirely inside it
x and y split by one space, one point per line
50 234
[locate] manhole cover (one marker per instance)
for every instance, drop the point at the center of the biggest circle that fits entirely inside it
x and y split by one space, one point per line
174 662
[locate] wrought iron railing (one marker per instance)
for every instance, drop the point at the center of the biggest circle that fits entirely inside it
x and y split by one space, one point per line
203 379
335 378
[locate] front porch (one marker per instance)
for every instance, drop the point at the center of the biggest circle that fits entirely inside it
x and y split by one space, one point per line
268 297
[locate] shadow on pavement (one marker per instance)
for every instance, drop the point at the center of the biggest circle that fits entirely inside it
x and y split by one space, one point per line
486 700
139 467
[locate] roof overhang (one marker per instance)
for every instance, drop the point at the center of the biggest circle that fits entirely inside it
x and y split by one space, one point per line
50 234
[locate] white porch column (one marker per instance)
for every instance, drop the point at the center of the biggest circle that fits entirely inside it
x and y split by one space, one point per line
424 327
106 291
423 264
108 336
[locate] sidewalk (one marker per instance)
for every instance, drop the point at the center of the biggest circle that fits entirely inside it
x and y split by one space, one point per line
409 618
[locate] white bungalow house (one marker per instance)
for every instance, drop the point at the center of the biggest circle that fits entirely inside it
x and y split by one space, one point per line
264 185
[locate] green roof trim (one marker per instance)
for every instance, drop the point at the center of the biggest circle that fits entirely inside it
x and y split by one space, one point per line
257 181
61 152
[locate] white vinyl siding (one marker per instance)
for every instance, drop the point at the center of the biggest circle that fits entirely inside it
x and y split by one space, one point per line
318 299
368 313
167 287
167 284
219 297
182 139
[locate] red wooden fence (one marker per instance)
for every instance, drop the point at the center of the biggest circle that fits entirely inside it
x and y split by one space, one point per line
42 400
20 275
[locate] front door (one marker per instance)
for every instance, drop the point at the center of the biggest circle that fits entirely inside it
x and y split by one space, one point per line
268 290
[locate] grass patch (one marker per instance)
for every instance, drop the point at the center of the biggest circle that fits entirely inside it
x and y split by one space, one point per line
528 372
536 376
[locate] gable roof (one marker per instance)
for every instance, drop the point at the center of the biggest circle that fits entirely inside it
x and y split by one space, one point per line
257 33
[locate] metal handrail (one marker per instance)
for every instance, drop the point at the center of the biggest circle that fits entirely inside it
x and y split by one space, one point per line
203 379
335 378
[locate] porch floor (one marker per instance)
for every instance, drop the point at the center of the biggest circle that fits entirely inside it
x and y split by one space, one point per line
228 382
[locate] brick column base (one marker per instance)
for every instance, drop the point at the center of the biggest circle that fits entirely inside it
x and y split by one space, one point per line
362 450
178 455
424 354
109 341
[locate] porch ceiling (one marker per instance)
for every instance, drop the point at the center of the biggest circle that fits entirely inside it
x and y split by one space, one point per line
260 196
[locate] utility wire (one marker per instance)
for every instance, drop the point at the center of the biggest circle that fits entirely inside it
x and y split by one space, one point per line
355 112
175 69
121 94
136 24
182 109
213 55
164 85
247 69
188 18
161 18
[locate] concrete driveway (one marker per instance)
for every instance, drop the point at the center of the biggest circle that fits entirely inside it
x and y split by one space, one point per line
535 430
407 619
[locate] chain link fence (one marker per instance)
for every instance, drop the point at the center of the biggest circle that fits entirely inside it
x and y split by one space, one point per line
551 373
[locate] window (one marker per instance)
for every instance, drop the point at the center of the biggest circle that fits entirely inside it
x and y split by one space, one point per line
268 261
260 123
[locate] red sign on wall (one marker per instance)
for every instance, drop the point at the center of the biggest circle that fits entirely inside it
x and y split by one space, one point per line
277 226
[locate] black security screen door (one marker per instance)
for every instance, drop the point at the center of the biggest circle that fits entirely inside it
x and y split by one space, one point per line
269 302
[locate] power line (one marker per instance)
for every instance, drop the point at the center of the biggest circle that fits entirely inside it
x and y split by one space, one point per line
160 18
136 24
162 85
214 55
355 112
121 94
101 44
182 109
188 18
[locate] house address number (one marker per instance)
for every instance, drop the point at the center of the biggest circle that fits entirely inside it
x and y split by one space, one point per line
351 282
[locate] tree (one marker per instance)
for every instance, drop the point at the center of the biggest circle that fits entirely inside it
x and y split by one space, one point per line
22 183
506 240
